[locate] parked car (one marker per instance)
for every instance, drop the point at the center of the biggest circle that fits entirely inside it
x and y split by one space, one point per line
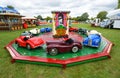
38 23
107 23
61 46
92 40
35 31
29 42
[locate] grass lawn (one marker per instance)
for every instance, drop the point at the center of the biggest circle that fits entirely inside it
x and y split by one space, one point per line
109 68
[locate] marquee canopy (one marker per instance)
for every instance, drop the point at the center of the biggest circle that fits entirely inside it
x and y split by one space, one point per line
115 14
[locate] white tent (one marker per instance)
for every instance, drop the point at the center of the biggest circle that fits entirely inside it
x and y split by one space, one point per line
115 16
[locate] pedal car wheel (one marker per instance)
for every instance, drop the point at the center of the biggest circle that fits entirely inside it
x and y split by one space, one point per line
53 51
75 49
98 45
17 44
28 46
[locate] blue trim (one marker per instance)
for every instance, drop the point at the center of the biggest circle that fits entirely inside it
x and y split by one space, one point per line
1 8
5 9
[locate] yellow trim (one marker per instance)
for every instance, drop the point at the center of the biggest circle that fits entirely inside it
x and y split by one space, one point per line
67 31
53 16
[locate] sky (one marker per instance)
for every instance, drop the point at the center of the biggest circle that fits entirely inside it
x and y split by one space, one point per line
31 8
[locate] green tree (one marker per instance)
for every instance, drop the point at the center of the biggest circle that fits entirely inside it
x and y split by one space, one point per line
78 18
118 3
92 18
73 18
84 17
102 15
48 18
10 6
39 17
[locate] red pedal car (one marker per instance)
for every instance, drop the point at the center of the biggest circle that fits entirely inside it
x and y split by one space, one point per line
73 29
55 47
29 42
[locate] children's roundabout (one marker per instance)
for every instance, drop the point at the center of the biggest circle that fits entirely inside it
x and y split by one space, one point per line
55 51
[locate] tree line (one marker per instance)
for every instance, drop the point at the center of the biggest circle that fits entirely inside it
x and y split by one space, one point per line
83 17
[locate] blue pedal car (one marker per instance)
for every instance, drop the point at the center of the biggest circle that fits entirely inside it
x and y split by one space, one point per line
92 40
43 30
48 29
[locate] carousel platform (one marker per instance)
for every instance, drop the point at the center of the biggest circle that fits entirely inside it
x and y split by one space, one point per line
40 56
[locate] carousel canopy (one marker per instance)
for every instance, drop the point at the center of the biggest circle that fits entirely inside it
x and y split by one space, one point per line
1 8
4 11
10 10
115 14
